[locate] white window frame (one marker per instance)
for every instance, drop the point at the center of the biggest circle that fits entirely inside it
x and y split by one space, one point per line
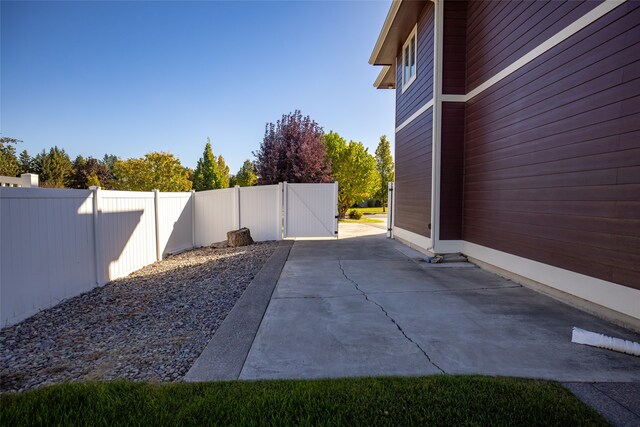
412 36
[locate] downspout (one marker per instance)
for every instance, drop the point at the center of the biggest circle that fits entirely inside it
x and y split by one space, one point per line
436 127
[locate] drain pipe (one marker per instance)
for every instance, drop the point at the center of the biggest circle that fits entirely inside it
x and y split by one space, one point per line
581 336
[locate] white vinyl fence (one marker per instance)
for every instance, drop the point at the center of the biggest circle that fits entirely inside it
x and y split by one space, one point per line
58 243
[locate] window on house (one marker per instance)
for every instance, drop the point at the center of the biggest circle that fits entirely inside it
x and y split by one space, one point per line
409 60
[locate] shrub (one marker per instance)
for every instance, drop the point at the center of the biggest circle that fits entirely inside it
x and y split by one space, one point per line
355 214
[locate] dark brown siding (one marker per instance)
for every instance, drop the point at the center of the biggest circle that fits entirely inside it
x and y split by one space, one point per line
413 175
421 90
552 152
451 170
454 48
500 32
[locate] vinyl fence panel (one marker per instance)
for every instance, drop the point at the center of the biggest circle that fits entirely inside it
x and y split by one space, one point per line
216 213
46 249
126 225
175 222
261 211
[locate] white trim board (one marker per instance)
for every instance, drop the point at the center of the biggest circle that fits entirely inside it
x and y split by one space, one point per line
447 246
616 297
414 240
415 115
579 24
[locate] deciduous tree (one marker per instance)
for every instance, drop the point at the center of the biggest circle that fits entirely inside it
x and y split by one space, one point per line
384 167
292 150
83 169
354 169
156 170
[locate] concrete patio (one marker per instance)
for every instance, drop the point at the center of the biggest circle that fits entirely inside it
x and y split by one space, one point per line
365 305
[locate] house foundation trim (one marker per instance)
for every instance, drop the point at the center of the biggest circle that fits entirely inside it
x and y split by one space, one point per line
611 296
413 240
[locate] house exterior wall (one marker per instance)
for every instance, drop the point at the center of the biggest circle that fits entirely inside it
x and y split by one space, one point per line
413 145
421 90
413 176
534 144
552 151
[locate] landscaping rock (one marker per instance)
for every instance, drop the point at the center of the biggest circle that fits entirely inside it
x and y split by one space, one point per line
149 326
241 237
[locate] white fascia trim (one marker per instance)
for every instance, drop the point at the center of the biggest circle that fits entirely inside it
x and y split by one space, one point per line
415 115
447 246
415 239
384 32
579 24
611 295
380 77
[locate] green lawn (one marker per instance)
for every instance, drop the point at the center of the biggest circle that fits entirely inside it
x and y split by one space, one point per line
363 219
436 400
369 211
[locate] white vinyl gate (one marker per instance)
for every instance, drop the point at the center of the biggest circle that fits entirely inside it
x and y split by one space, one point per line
311 210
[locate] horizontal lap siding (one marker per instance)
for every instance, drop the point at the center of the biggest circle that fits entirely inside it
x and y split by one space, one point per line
552 154
413 175
421 90
454 48
451 170
500 32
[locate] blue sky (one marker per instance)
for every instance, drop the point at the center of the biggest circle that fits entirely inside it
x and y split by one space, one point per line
127 78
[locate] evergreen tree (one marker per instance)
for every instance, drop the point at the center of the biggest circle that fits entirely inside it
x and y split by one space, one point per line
54 167
246 177
384 167
26 162
9 164
222 173
205 176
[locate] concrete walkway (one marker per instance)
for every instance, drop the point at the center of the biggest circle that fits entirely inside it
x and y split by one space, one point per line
365 305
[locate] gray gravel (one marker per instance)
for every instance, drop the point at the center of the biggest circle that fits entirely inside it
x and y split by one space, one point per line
149 326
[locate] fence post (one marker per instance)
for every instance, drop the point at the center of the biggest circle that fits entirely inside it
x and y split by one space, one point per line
193 218
284 208
96 233
156 196
238 218
335 207
390 207
279 207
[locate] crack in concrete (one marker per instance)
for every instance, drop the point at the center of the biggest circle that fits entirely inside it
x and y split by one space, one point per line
366 297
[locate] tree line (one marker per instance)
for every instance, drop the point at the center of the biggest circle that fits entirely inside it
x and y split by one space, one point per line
294 149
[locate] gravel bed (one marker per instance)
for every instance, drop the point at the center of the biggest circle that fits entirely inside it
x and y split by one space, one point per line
149 326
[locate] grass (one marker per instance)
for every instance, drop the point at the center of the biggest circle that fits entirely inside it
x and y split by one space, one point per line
363 219
370 211
436 400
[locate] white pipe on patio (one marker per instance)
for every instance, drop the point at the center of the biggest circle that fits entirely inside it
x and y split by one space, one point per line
581 336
